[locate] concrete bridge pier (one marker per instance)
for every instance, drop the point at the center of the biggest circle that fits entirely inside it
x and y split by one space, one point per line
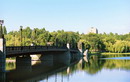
2 62
64 57
23 63
2 54
2 77
2 67
75 56
47 59
81 48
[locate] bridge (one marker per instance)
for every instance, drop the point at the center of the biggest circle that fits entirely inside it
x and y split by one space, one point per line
49 56
50 53
12 51
62 54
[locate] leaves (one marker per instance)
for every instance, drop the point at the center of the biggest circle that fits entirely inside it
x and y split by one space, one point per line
94 42
41 37
107 42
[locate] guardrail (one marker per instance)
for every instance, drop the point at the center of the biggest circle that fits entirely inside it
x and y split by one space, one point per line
34 49
19 49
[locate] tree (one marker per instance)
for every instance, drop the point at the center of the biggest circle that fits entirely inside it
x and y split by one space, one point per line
4 30
94 41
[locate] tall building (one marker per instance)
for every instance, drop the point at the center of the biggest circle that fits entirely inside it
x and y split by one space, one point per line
93 30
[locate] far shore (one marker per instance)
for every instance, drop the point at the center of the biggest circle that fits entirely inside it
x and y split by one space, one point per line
108 53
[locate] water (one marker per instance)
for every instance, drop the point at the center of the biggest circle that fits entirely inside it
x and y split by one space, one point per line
95 69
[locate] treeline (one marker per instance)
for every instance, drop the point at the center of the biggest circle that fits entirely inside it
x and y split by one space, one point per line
93 42
41 37
107 42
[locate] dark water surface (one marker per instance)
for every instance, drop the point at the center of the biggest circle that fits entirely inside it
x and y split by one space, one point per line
94 69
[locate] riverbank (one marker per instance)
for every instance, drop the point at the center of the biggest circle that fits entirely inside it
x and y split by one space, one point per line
107 53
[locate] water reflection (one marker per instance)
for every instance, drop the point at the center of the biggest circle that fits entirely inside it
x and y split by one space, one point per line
10 65
96 64
88 69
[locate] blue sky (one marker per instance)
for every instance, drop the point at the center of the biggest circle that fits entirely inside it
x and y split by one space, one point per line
69 15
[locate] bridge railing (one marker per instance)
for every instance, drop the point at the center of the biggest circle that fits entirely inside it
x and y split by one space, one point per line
11 49
35 49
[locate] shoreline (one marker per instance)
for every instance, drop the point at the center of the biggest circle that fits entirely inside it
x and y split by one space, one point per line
104 53
108 53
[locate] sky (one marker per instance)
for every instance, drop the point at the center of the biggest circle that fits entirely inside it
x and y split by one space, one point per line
69 15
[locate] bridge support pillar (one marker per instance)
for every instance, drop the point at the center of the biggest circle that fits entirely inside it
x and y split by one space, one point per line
2 62
75 56
64 57
2 77
2 54
2 67
23 63
81 48
47 60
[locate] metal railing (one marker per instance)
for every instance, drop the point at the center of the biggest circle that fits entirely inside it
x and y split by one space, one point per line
20 49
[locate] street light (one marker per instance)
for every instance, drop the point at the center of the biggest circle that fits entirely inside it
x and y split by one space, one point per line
1 31
21 34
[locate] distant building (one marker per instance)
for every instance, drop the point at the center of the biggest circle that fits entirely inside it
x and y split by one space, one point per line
93 30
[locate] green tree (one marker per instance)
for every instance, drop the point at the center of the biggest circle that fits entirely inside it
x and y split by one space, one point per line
4 30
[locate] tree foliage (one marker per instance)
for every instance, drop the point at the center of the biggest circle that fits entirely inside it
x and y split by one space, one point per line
93 42
107 42
41 37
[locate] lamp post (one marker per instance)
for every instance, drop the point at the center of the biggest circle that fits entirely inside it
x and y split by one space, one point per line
1 31
21 28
